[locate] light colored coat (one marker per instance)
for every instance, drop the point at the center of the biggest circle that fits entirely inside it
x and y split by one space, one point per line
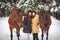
35 22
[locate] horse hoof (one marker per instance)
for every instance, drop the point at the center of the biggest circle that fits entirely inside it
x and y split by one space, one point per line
46 38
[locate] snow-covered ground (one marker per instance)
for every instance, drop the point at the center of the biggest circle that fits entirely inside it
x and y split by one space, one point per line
54 32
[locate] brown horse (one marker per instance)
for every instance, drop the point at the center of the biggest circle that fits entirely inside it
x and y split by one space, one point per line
45 22
15 21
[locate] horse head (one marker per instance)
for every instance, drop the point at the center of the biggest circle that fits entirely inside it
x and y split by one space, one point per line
20 14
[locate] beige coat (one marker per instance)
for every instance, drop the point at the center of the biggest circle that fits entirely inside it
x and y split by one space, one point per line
35 22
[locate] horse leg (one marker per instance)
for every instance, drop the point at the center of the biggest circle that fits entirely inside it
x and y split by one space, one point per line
18 33
42 34
11 35
47 35
11 32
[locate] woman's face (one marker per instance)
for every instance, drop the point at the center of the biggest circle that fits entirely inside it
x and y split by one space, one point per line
33 14
29 14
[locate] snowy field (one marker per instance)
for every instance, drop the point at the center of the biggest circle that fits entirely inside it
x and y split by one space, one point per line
54 32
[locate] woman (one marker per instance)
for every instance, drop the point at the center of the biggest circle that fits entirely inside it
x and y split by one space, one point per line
27 21
35 22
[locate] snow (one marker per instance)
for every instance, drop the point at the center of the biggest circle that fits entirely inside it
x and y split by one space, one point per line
54 3
19 3
54 10
54 31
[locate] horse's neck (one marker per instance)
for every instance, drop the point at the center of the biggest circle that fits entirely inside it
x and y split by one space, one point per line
44 15
14 11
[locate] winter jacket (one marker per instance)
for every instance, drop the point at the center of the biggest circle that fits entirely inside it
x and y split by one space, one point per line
27 28
35 22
